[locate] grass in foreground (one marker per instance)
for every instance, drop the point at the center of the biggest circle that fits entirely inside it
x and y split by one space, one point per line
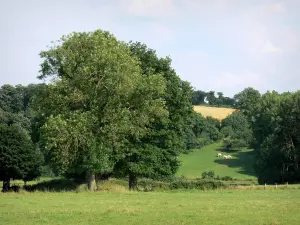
195 207
195 163
215 112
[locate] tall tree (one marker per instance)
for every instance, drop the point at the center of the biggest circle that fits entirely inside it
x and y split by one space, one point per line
100 101
169 137
211 98
277 131
198 97
247 100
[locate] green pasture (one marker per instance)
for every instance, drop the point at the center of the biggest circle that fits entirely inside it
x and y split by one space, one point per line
194 207
205 159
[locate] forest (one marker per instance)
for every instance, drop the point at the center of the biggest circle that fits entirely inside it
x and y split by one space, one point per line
106 108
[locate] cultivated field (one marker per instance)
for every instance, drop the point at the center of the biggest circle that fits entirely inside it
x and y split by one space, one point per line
205 159
195 207
218 113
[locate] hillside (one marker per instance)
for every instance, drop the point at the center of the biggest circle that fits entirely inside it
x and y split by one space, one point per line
218 113
239 167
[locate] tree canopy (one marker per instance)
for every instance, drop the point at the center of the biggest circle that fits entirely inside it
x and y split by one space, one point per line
101 101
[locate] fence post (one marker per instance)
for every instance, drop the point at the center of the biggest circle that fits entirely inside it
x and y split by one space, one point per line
276 185
265 186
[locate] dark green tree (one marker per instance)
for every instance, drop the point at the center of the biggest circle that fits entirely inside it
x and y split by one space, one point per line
238 130
19 159
169 137
211 98
247 101
278 148
198 97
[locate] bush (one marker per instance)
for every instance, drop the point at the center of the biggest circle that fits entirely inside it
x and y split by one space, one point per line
178 183
234 144
226 178
208 175
199 184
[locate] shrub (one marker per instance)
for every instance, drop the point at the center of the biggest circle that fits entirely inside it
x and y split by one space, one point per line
178 183
208 175
226 178
199 184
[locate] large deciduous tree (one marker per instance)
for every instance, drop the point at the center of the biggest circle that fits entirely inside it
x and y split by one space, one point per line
247 101
101 104
277 133
168 137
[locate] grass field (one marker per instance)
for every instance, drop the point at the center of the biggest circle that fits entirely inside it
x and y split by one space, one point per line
195 207
205 159
218 113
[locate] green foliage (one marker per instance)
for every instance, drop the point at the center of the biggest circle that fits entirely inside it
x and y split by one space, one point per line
201 131
227 131
156 154
247 101
198 97
19 159
208 175
102 105
274 118
237 131
179 184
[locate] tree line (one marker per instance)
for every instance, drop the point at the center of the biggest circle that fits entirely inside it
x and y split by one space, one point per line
110 109
117 109
209 98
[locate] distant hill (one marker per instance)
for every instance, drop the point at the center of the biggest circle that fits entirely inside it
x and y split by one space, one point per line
239 167
215 112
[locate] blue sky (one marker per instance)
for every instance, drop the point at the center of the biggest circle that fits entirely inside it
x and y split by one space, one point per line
221 45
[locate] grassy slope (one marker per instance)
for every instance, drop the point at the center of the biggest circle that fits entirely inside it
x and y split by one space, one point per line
195 207
205 159
218 113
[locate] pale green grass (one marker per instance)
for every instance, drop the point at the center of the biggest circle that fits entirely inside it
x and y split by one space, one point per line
195 207
205 159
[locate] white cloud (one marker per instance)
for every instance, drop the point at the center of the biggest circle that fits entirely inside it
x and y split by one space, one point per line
148 8
275 7
269 47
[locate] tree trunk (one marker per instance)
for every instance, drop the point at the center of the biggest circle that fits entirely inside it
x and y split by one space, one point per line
6 185
132 182
91 181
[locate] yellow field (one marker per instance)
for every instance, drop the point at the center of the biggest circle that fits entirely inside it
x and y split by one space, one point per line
218 113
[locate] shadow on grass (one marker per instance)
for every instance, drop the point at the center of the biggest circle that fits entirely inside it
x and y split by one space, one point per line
56 185
242 160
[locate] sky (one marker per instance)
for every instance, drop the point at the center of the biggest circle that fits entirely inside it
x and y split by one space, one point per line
220 45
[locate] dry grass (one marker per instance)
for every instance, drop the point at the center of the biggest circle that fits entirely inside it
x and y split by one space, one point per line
218 113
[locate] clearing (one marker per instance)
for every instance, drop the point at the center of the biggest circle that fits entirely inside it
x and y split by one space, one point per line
205 159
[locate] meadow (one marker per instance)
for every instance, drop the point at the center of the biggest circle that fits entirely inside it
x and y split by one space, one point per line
115 204
194 207
215 112
205 159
